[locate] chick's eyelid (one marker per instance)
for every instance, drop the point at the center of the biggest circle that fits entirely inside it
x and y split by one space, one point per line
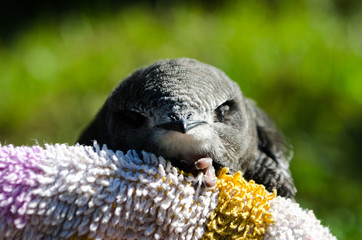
140 112
133 117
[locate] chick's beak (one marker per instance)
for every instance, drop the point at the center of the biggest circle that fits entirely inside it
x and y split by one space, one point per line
182 125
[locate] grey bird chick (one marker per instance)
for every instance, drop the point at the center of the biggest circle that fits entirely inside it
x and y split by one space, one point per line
192 114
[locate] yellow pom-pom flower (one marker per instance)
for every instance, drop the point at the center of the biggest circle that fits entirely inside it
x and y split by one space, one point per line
242 211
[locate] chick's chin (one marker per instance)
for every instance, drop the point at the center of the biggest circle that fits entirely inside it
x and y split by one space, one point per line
184 149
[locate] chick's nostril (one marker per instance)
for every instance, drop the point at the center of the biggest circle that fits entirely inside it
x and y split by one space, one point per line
188 117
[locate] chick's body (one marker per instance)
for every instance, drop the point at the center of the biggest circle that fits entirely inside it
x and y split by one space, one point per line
190 112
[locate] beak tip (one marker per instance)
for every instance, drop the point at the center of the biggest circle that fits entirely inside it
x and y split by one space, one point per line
185 126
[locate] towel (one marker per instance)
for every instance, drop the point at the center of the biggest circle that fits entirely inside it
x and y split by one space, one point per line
91 192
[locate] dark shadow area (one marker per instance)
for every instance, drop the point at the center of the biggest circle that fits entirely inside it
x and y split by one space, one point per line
16 16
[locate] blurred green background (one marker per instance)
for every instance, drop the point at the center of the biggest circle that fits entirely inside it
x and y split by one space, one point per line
301 61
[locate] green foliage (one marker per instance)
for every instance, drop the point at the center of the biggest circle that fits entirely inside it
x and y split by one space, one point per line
300 61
